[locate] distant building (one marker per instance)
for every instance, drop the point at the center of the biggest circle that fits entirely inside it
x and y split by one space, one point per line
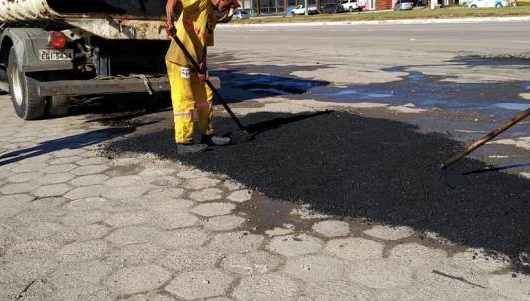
384 4
279 7
275 7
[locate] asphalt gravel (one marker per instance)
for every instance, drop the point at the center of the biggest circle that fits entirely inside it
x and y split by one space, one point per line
353 166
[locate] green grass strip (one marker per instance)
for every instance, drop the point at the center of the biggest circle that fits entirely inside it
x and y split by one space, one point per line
442 13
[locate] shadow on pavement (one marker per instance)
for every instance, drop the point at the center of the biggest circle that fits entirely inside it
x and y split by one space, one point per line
243 81
100 108
70 142
237 86
514 62
239 82
353 166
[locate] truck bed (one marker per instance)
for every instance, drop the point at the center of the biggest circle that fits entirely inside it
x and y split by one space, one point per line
38 10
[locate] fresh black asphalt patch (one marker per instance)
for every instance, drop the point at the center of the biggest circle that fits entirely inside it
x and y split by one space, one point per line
352 166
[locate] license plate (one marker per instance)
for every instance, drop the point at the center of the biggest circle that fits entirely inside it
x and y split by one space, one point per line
56 55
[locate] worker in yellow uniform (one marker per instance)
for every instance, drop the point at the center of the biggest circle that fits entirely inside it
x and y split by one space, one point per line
189 93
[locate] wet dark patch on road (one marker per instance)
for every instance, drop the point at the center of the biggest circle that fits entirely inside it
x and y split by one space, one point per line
364 168
499 61
502 99
241 82
264 213
432 91
125 170
266 84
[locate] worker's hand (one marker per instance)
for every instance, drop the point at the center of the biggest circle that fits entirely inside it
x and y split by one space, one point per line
170 28
225 16
202 74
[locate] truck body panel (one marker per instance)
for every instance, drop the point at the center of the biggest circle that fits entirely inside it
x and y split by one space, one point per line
27 43
110 19
120 29
35 10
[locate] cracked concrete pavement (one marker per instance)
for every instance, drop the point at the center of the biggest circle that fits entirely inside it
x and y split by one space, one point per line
76 225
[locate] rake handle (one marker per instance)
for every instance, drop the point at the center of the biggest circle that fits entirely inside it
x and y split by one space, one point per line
496 132
209 83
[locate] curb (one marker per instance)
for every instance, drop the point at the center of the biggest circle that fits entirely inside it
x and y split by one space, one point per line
383 22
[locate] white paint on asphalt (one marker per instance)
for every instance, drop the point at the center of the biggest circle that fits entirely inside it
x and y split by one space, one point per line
512 106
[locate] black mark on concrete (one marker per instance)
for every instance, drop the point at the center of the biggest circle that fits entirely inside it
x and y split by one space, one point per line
462 279
26 288
70 142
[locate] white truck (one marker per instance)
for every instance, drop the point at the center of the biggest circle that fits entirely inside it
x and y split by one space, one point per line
300 10
353 5
51 50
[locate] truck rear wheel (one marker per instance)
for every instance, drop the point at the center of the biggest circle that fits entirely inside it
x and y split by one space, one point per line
27 104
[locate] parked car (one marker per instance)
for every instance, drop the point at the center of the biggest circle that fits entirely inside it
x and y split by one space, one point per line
241 14
488 3
404 5
332 8
300 10
353 5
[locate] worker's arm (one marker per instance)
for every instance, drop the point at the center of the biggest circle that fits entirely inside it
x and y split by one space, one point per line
171 5
225 16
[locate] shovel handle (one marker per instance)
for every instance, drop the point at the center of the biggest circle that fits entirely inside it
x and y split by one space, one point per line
496 132
186 52
209 83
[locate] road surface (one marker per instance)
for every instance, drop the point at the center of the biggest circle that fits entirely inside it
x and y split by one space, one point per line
338 197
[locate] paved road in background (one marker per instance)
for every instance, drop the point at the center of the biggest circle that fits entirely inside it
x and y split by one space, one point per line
438 38
345 205
461 79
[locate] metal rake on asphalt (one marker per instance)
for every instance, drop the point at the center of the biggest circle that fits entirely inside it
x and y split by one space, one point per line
480 142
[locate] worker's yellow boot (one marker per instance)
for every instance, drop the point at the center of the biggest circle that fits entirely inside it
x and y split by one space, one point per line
215 140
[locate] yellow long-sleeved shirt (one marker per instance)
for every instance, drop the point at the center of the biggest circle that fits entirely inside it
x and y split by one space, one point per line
195 28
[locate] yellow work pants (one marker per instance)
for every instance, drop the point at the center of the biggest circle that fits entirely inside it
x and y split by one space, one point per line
190 97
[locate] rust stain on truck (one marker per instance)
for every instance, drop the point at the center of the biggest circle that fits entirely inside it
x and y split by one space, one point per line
110 19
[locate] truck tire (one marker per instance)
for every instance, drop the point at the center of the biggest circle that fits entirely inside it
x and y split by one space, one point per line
27 104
